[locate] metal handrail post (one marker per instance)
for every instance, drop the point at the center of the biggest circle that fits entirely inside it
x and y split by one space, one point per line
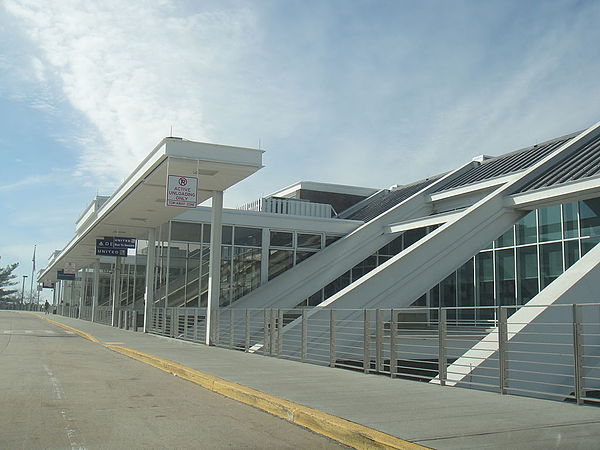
279 332
266 337
442 336
304 343
366 341
578 356
247 334
503 349
393 345
378 341
331 338
231 331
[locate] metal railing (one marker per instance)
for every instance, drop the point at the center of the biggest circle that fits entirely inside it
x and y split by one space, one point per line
541 351
181 323
549 352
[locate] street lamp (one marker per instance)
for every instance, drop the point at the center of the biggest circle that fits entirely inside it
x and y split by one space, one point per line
23 291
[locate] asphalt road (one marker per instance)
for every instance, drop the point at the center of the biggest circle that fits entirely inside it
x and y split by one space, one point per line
59 391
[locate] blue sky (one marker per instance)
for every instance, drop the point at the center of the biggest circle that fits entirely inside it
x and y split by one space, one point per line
371 93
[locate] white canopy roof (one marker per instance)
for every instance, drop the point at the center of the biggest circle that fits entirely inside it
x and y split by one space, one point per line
139 203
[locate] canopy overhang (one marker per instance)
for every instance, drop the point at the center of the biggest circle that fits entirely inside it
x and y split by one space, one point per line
139 203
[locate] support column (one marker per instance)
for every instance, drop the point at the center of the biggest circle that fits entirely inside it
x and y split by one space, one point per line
149 290
82 292
116 297
95 289
214 265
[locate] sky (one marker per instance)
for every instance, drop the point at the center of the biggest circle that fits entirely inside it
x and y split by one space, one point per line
369 93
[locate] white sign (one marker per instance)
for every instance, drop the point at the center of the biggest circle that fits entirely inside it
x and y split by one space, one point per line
70 268
182 191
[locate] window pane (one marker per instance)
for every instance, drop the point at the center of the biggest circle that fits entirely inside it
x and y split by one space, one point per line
505 277
551 260
466 290
550 223
182 231
306 240
448 295
412 236
282 239
301 256
246 270
570 220
364 267
485 284
571 253
526 229
588 244
226 235
393 248
247 236
279 262
331 239
527 264
224 298
507 239
337 285
589 213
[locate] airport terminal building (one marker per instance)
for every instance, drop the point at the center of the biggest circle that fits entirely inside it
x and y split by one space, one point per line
485 276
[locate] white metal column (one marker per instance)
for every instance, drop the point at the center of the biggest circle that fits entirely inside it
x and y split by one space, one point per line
214 265
82 292
116 297
95 290
149 290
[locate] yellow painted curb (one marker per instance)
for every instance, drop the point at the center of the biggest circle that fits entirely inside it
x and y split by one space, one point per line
83 334
341 430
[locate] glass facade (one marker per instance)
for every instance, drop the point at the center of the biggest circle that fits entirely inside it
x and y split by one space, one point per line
512 269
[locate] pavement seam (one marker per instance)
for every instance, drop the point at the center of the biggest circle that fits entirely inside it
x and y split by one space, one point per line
341 430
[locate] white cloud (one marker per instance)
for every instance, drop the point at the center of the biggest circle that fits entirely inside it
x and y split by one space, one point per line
134 69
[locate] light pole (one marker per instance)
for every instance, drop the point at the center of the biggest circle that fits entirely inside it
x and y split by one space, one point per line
23 291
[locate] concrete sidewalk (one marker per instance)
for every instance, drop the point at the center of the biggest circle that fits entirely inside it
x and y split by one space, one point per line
429 415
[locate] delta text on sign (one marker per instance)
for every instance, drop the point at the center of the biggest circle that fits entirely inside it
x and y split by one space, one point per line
182 191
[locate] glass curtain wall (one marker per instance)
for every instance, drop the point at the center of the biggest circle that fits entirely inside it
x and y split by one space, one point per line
512 269
186 260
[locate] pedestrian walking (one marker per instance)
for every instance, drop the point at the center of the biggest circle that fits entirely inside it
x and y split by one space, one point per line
46 307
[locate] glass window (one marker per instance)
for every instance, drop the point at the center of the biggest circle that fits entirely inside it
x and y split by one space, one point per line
393 248
412 236
226 234
448 295
485 284
282 239
279 262
526 229
182 231
505 277
570 227
588 244
246 236
316 298
306 240
225 294
589 214
550 227
466 290
337 285
246 270
331 239
364 267
527 278
551 262
571 253
507 239
301 256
